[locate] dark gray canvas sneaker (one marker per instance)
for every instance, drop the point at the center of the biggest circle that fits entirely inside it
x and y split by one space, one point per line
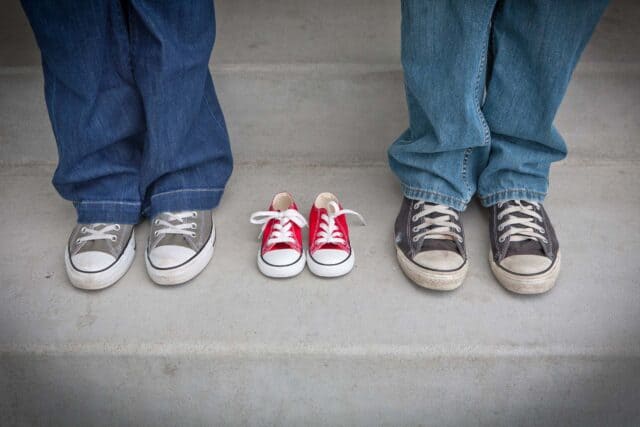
525 255
98 255
430 245
180 246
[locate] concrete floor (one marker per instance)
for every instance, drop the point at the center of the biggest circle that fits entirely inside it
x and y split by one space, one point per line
235 348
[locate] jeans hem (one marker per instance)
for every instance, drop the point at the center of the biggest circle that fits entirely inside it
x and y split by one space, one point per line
185 199
512 194
434 197
91 212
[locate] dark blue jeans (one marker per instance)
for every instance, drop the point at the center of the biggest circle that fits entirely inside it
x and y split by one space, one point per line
484 80
132 105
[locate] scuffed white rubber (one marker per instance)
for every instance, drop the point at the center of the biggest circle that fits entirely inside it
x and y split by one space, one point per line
184 272
281 272
529 284
102 279
430 279
332 270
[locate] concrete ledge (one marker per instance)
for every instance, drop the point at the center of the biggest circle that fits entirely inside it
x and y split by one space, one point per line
336 113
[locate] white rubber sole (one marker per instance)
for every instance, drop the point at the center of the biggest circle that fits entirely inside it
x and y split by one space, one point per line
105 278
277 272
337 270
430 279
184 272
526 285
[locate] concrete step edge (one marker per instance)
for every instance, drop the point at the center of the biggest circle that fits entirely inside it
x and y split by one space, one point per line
378 351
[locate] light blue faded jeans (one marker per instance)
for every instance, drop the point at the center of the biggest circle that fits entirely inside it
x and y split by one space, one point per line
484 80
132 105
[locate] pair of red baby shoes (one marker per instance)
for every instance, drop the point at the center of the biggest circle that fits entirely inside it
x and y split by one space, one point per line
282 252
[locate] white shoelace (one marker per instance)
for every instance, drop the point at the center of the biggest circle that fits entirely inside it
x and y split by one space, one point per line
90 233
282 230
439 227
328 229
520 228
181 227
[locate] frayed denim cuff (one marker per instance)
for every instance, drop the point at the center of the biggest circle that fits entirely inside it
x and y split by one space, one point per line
184 200
91 212
434 197
512 194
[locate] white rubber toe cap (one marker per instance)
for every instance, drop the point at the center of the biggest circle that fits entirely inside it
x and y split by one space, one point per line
281 257
439 260
526 264
92 261
330 256
170 256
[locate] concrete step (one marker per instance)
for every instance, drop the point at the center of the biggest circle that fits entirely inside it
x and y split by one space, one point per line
235 348
331 113
327 31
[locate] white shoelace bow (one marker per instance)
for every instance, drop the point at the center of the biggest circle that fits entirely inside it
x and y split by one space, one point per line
90 232
281 231
520 228
182 227
439 227
328 229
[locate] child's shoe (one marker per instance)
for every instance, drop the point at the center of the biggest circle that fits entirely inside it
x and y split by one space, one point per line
281 253
330 252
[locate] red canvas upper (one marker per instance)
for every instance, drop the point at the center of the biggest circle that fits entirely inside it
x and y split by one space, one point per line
315 219
269 228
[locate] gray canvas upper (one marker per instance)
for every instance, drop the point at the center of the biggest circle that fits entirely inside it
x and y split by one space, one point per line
199 225
113 245
405 232
547 246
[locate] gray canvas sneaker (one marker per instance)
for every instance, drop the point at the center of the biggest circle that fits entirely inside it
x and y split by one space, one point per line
525 254
180 246
98 255
430 245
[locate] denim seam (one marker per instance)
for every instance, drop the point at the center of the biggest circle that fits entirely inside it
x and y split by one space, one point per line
212 114
435 193
512 190
481 71
198 190
105 202
465 162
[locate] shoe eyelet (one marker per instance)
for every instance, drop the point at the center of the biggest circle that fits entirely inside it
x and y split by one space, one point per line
155 233
500 228
501 240
414 240
193 234
542 231
461 240
194 225
545 241
156 222
414 218
194 214
83 230
414 229
117 227
415 206
114 238
77 241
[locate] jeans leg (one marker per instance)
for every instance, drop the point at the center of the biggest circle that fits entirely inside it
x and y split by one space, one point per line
535 45
444 50
93 105
187 158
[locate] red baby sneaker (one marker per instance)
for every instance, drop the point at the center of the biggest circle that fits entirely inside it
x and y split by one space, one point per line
330 252
281 253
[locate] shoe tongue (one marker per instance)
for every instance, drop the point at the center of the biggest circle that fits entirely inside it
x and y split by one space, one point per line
175 239
525 247
102 245
439 245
